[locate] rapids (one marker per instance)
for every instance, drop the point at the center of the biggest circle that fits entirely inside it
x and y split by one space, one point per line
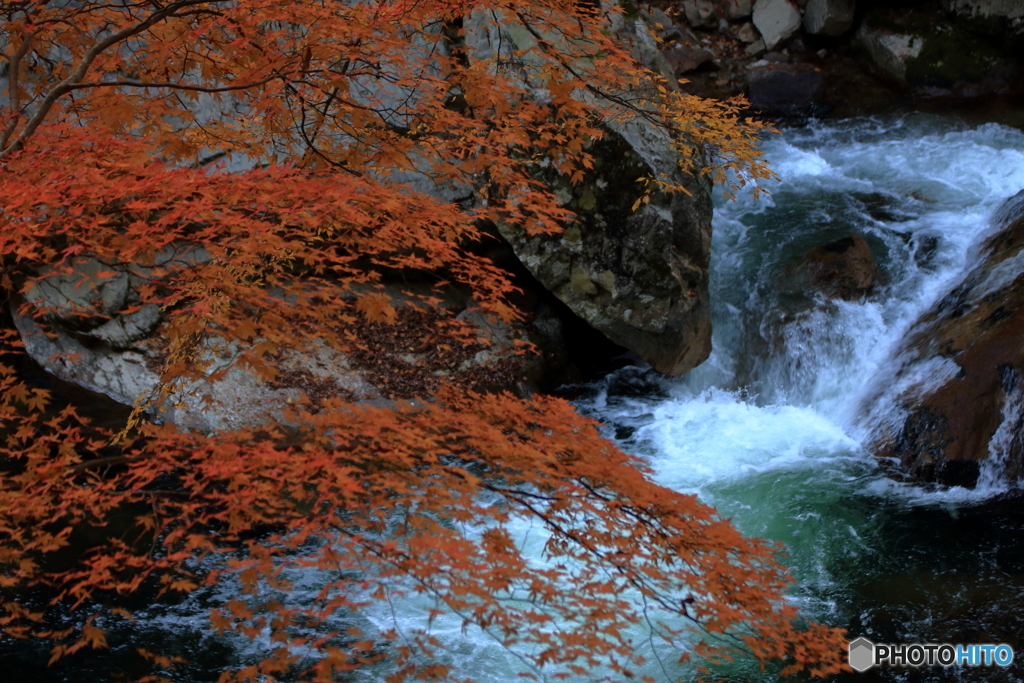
769 430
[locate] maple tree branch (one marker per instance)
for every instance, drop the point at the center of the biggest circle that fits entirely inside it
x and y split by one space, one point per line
13 87
100 463
67 85
558 57
174 86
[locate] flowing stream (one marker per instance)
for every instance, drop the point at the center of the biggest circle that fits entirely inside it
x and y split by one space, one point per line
770 429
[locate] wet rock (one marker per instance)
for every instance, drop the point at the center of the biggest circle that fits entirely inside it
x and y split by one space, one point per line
828 17
776 20
960 397
786 89
639 277
843 269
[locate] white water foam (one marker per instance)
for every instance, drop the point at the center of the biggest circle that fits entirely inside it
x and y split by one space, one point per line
769 430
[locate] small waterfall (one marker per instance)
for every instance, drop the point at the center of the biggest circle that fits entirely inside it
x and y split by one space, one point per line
771 429
1006 439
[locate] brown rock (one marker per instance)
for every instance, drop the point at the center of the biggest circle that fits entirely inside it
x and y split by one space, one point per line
844 269
949 428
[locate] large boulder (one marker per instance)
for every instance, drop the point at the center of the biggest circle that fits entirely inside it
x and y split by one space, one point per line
683 60
954 410
844 269
828 17
776 20
785 89
97 300
640 277
386 363
923 50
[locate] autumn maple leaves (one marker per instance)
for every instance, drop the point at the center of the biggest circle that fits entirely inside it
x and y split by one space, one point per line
331 113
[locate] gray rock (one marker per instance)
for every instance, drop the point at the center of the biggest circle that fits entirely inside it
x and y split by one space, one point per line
890 50
232 397
662 24
124 329
84 291
701 13
738 9
228 394
638 277
637 35
828 17
747 33
756 48
96 300
776 20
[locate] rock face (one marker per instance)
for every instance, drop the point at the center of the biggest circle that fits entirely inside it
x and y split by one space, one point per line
828 17
989 16
638 277
777 21
235 399
962 373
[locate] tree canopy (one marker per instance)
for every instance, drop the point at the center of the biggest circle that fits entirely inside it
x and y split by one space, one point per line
308 149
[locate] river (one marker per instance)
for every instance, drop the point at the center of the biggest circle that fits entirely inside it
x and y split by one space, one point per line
770 429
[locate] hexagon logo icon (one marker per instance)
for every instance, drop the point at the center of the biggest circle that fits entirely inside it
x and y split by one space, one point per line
862 654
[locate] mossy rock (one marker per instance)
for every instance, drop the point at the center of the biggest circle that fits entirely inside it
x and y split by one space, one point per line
937 52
